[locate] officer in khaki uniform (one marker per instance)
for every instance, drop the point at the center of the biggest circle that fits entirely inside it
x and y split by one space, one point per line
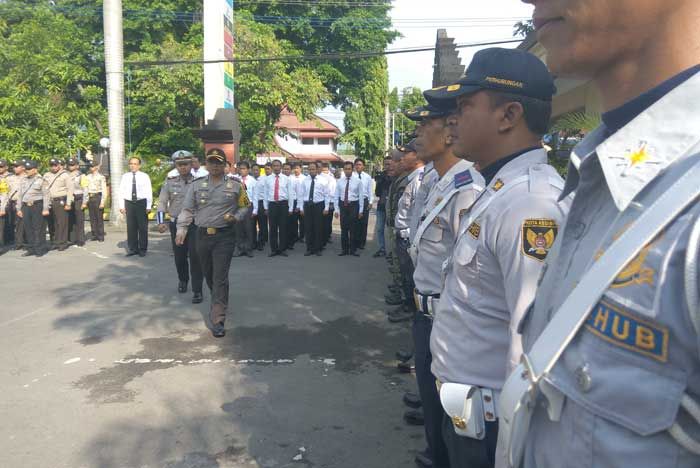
76 218
33 208
215 203
503 106
60 188
452 187
15 225
96 197
172 195
625 390
396 189
4 202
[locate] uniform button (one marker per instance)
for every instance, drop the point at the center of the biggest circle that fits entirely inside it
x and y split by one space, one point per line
583 378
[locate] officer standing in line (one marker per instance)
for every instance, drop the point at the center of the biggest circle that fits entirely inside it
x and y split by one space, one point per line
328 219
215 204
4 202
259 211
295 231
246 229
395 296
172 195
368 196
76 217
503 107
33 208
61 193
16 224
279 203
625 390
455 187
381 190
349 198
95 202
315 200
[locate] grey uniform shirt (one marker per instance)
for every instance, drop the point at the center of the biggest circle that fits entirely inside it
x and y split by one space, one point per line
491 278
97 183
15 182
624 373
402 221
60 185
207 202
430 178
437 240
172 195
33 189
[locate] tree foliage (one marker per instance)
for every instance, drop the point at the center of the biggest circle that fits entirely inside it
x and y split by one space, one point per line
410 98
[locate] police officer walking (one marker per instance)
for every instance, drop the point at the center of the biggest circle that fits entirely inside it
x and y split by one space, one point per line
625 389
60 186
214 203
96 197
503 107
76 219
33 208
172 195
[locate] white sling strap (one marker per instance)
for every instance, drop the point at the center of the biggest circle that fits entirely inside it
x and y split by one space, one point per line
520 390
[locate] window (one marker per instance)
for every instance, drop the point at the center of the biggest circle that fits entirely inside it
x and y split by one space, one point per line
307 141
324 141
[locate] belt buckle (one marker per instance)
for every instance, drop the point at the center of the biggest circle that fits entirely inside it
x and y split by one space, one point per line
211 231
30 203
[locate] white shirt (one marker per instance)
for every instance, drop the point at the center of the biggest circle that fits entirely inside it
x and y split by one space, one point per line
332 182
368 193
354 191
321 192
201 172
296 183
250 183
143 188
286 190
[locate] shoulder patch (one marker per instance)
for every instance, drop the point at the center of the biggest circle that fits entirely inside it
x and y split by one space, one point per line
474 229
463 178
420 176
498 185
621 328
538 236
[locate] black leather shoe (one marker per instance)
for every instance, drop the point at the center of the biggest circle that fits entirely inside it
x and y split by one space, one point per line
405 367
318 254
131 254
142 254
182 286
249 254
272 254
355 254
308 253
28 254
393 299
404 356
399 316
282 254
414 417
260 247
197 298
343 254
218 331
423 460
412 400
378 253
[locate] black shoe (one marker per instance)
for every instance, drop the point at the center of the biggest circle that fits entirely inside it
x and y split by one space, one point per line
249 254
131 254
405 367
283 254
182 286
379 253
218 331
142 254
290 247
197 298
272 254
260 247
362 247
423 460
308 253
412 400
80 244
404 356
343 254
393 299
354 254
318 254
101 239
93 239
414 417
28 253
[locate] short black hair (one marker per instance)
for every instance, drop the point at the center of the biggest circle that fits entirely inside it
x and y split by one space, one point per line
287 164
325 164
295 164
243 164
276 161
255 165
313 164
348 163
136 158
537 113
357 160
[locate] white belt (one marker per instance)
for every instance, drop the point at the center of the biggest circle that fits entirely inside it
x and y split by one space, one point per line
469 407
426 304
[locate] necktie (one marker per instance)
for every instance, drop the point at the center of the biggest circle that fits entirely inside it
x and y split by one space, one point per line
133 187
311 189
277 188
347 189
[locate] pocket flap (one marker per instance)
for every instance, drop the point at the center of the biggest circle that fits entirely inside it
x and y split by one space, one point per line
433 233
465 250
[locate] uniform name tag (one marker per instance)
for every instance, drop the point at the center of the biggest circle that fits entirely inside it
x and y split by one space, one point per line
463 178
474 229
620 328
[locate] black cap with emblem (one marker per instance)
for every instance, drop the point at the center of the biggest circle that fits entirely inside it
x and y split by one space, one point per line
72 162
216 155
430 112
409 147
3 162
55 162
30 164
510 71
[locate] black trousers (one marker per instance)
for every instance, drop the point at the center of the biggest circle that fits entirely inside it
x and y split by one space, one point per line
136 225
11 222
313 225
406 267
348 226
432 408
467 452
186 251
328 225
3 236
277 215
76 221
261 222
97 221
362 228
302 229
215 253
245 232
293 227
21 238
59 218
35 227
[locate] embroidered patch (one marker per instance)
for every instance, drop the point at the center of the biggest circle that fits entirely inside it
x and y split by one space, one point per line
634 272
538 236
453 87
498 185
474 229
436 221
621 328
463 178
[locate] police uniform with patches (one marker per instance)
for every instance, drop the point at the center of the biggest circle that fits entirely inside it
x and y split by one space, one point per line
172 196
33 207
491 277
61 193
14 226
4 201
628 384
96 192
76 217
214 207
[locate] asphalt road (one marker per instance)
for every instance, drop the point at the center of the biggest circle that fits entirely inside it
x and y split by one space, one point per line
103 364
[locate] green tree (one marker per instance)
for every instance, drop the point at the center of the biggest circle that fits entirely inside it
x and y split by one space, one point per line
408 99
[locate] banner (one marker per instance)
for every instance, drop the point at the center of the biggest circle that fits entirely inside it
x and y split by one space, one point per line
219 44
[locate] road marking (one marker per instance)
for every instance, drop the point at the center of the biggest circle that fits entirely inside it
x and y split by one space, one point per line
313 316
72 361
325 361
92 253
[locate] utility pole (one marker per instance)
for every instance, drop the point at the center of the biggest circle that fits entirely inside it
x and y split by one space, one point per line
114 68
386 128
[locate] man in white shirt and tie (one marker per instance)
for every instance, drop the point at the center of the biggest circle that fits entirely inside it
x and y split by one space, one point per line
278 202
368 196
135 199
313 197
349 200
328 220
295 231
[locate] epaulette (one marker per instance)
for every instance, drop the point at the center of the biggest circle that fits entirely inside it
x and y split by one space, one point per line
200 178
174 177
463 178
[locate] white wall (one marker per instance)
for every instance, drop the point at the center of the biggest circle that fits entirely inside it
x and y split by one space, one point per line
290 143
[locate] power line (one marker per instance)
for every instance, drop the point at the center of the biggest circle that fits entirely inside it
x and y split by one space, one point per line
328 56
